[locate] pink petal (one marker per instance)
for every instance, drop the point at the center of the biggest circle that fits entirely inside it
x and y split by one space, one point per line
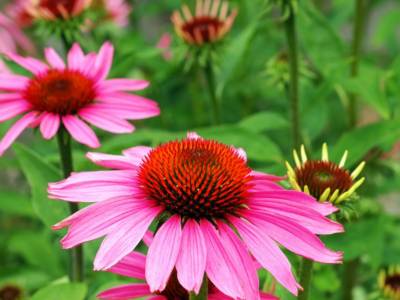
10 97
54 59
121 99
132 265
11 109
115 85
31 64
13 133
106 121
80 131
295 237
220 269
75 57
111 161
124 292
124 238
104 61
267 253
11 82
148 238
136 154
192 257
49 125
191 135
127 111
266 177
163 253
94 186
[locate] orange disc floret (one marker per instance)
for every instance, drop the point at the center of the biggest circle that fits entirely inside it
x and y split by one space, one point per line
196 178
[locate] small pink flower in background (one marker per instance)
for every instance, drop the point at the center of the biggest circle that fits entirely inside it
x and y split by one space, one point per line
12 37
69 94
3 67
165 45
133 265
218 214
17 10
118 11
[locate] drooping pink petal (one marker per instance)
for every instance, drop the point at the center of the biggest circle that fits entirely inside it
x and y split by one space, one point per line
163 253
267 253
132 265
191 262
121 100
49 125
54 59
304 216
124 292
10 97
103 61
124 238
75 57
119 84
294 237
243 262
11 82
219 267
266 177
112 161
106 121
136 154
31 64
80 131
126 111
11 109
13 133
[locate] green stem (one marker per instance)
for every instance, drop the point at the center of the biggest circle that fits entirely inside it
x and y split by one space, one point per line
358 30
64 146
203 293
292 43
349 278
210 79
305 278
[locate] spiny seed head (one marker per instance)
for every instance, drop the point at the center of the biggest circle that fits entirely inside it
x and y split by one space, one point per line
196 178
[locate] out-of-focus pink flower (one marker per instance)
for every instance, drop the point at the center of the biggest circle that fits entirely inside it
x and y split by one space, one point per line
12 37
17 10
69 94
165 45
118 11
133 266
219 216
56 9
3 67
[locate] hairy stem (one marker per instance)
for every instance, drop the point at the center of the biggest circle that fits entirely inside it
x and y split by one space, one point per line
210 79
64 146
292 43
305 278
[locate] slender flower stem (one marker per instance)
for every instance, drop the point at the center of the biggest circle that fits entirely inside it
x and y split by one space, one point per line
349 278
210 79
64 146
203 293
358 32
292 43
305 278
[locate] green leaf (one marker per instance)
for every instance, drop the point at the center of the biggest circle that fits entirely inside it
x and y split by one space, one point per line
39 173
63 291
16 204
360 140
263 121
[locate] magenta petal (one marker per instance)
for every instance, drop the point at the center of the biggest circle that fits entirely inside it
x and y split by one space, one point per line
124 292
11 82
111 161
267 253
124 238
219 267
80 131
13 133
49 125
54 59
31 64
11 109
75 57
132 265
192 257
106 121
103 61
163 253
113 85
136 154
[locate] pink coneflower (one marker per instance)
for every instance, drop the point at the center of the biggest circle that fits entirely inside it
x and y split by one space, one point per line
133 266
164 44
118 11
58 93
218 214
17 10
11 36
56 9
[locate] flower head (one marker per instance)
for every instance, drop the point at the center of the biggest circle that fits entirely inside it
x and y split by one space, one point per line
217 215
324 179
389 282
12 37
69 94
133 265
209 23
56 9
118 11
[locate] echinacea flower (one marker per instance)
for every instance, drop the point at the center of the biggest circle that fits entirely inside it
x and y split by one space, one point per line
389 283
59 94
117 10
217 215
17 10
56 9
324 179
133 266
209 23
12 37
